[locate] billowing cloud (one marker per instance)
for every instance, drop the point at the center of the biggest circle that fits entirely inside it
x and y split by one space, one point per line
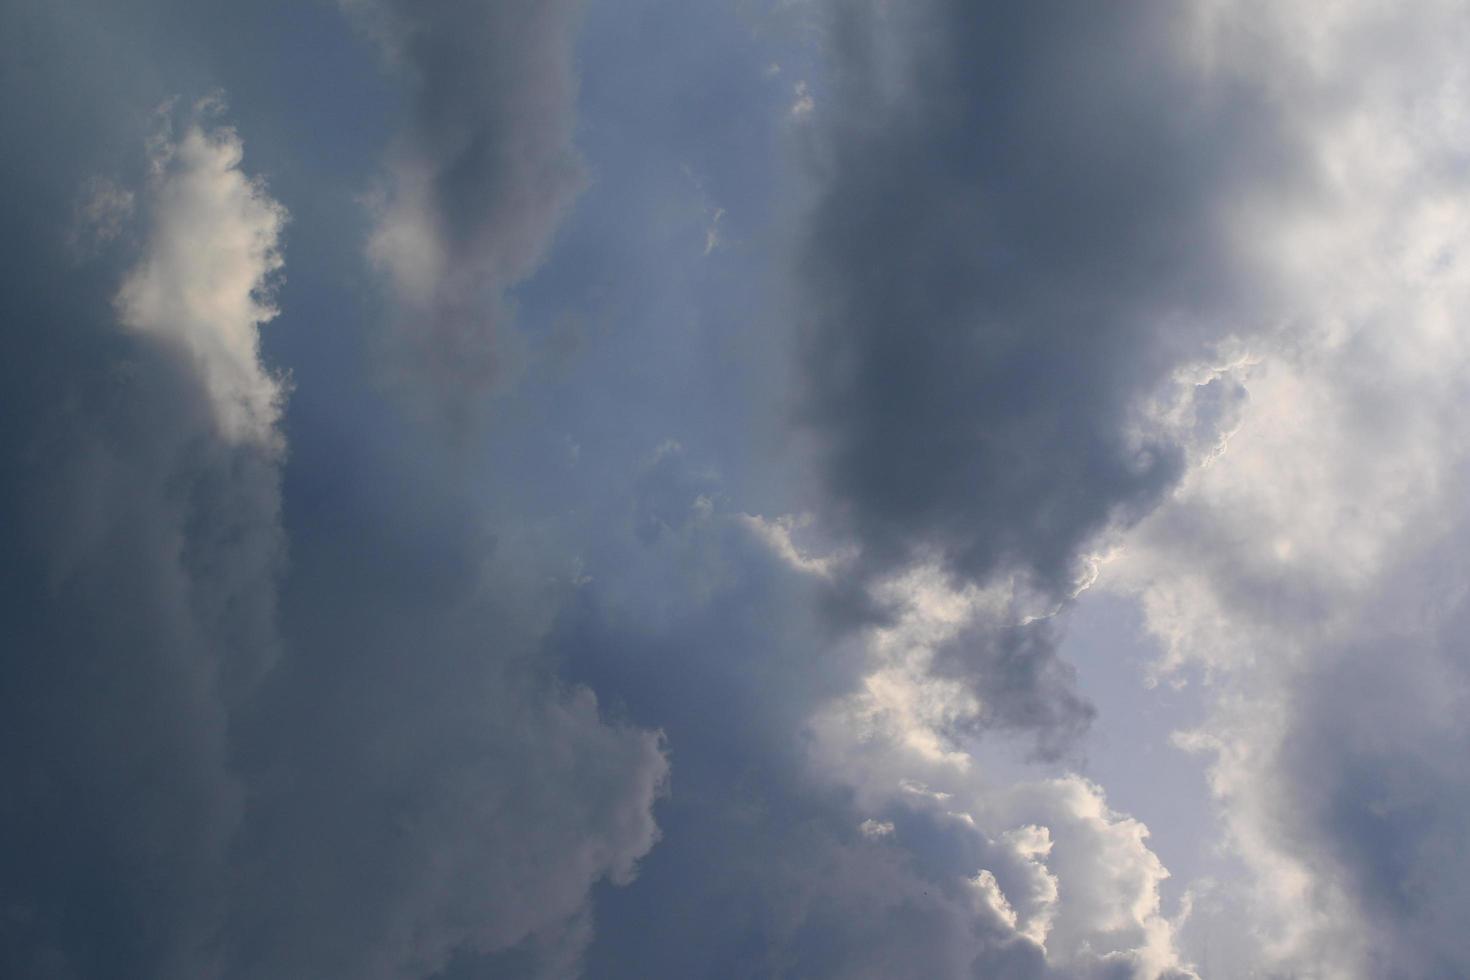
826 814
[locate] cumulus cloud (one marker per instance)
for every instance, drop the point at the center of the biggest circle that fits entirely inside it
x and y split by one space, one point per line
1058 867
829 815
481 174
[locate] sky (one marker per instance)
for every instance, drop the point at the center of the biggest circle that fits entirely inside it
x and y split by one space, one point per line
734 489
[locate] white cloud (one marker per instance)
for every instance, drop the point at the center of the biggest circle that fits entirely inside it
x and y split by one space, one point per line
1066 872
203 283
1313 551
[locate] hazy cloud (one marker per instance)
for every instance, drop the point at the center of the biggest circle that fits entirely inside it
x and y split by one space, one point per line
481 174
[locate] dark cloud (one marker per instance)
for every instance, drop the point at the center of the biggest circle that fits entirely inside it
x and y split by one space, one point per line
219 764
142 552
428 795
423 789
384 758
1023 685
1024 222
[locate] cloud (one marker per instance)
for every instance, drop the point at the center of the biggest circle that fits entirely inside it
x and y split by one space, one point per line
146 547
203 282
826 817
1135 297
219 764
1024 221
1311 570
1055 863
1024 224
480 176
102 211
946 664
425 790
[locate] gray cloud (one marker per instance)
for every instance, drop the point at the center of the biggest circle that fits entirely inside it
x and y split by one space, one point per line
384 758
481 175
218 764
1026 687
423 787
1024 223
145 539
1338 765
778 858
1372 791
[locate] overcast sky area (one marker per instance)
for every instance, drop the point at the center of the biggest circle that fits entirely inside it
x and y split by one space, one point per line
803 489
